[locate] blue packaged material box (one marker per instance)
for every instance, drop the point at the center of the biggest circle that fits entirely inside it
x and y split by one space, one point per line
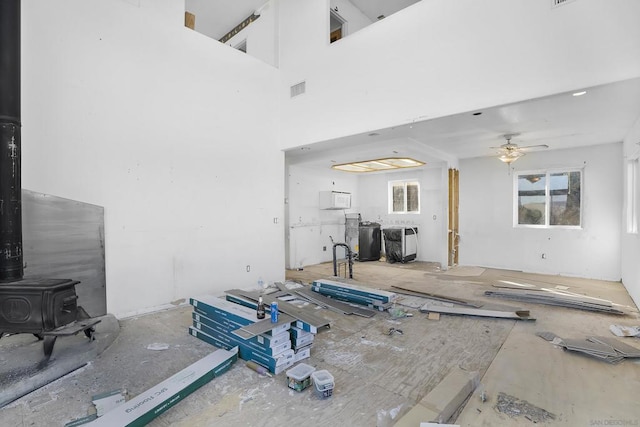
274 364
210 327
360 291
226 311
148 405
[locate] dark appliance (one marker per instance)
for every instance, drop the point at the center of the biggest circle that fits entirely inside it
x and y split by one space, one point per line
369 241
46 308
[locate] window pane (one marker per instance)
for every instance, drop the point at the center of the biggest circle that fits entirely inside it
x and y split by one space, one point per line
564 198
531 199
413 197
398 197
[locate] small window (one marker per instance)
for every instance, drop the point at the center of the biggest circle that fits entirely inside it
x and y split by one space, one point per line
549 199
404 197
632 196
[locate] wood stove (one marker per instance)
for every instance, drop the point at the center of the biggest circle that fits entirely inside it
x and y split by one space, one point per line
46 308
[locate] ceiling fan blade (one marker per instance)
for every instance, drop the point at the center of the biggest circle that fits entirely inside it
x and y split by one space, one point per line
527 147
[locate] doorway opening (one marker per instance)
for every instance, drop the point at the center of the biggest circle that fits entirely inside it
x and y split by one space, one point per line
454 203
337 26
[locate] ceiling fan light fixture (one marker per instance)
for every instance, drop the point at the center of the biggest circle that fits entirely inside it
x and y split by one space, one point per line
510 157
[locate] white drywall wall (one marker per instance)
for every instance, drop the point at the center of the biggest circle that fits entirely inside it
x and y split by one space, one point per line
441 57
172 132
309 228
487 235
630 241
262 35
432 219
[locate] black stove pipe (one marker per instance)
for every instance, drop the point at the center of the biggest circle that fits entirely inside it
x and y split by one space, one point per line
11 268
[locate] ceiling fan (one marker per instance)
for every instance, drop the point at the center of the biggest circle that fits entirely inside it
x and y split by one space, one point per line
510 152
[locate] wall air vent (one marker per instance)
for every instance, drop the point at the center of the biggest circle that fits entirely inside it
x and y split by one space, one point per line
556 3
298 89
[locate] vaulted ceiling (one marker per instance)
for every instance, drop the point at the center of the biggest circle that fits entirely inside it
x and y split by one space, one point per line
603 114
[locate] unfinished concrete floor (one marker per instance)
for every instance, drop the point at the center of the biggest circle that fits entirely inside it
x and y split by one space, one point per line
378 376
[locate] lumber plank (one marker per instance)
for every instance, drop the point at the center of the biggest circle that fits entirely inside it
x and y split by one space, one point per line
297 312
415 293
557 299
518 315
332 304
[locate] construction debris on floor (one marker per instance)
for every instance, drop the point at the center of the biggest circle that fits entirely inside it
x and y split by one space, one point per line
557 297
409 291
150 404
514 407
436 368
445 308
607 349
625 331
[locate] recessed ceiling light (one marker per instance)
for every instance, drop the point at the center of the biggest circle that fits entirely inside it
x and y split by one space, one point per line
579 93
375 165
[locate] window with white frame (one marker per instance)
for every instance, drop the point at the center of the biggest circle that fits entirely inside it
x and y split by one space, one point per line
632 196
548 198
404 197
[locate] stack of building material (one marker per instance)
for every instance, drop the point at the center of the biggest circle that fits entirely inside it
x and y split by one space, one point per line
557 298
303 328
332 304
373 298
304 318
593 349
447 308
223 324
624 349
607 349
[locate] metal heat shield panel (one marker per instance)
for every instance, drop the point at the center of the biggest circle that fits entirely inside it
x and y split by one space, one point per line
64 239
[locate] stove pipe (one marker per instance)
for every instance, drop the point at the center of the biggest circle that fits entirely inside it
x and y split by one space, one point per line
10 182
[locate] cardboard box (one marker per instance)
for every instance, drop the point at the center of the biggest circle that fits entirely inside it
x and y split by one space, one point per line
105 402
263 340
302 353
375 294
306 327
302 341
148 405
352 297
274 364
298 332
219 332
222 310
